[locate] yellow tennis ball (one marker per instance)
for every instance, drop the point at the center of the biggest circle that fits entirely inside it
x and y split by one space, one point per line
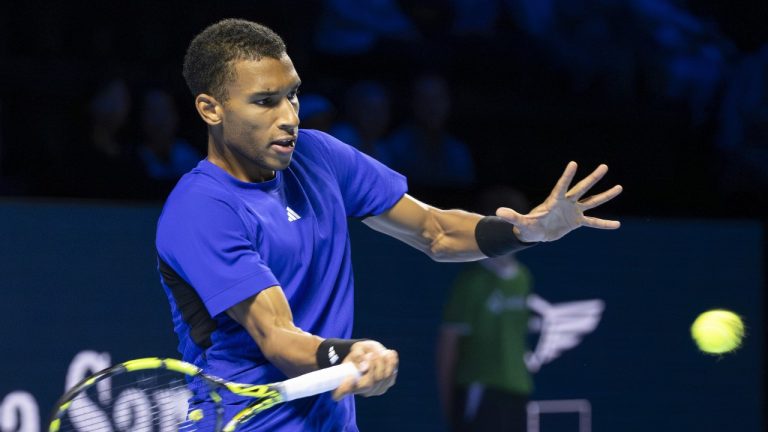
717 331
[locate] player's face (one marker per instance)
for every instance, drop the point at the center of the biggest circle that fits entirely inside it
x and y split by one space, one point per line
261 117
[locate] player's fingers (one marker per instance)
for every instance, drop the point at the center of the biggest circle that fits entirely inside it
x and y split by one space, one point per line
593 222
379 376
561 187
352 384
596 200
392 363
374 371
391 379
355 357
381 372
367 380
348 386
586 184
383 385
387 363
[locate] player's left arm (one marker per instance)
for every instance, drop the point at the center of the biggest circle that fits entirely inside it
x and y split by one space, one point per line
457 235
444 235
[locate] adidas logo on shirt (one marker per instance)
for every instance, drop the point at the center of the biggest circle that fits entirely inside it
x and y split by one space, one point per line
292 215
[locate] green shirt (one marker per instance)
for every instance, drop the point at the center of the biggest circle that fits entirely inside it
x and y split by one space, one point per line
492 316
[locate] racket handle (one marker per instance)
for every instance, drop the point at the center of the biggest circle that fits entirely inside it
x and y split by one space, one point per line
317 382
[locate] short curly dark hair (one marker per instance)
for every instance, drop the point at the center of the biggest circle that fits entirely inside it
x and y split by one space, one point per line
208 63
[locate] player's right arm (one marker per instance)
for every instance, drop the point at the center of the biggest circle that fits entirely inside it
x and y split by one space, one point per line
268 319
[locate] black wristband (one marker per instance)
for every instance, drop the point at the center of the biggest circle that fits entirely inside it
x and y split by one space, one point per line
496 237
333 351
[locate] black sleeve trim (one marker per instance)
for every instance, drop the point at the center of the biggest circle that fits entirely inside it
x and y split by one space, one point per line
189 304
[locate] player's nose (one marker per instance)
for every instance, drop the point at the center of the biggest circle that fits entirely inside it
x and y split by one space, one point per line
289 116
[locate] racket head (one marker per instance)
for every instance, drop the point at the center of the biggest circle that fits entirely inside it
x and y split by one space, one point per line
149 394
152 394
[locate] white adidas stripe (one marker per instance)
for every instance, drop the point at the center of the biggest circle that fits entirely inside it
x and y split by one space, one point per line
292 215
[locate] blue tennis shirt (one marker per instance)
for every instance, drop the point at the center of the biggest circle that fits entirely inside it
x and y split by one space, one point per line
221 241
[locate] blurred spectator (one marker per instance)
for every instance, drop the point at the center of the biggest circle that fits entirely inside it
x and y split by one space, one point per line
100 163
591 42
484 382
474 17
166 157
367 112
481 17
536 17
423 150
3 180
109 110
372 39
8 185
692 55
743 136
351 27
695 73
316 112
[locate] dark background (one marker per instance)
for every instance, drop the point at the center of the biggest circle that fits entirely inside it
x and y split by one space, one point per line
670 94
603 86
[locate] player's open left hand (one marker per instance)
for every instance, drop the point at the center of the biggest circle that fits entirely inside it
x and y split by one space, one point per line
563 210
378 368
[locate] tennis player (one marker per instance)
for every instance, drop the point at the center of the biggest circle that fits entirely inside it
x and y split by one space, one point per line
253 243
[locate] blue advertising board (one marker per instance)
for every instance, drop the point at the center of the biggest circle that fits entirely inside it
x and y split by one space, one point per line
81 291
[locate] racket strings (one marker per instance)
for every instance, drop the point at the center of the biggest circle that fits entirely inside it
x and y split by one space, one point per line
143 401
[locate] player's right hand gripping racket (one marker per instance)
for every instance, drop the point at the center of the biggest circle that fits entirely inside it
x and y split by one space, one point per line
150 395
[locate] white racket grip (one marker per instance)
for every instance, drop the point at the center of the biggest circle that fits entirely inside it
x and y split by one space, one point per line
317 382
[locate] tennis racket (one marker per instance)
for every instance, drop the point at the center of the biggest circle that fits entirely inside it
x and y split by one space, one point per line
151 394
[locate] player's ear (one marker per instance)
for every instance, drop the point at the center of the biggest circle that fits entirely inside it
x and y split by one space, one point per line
209 109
